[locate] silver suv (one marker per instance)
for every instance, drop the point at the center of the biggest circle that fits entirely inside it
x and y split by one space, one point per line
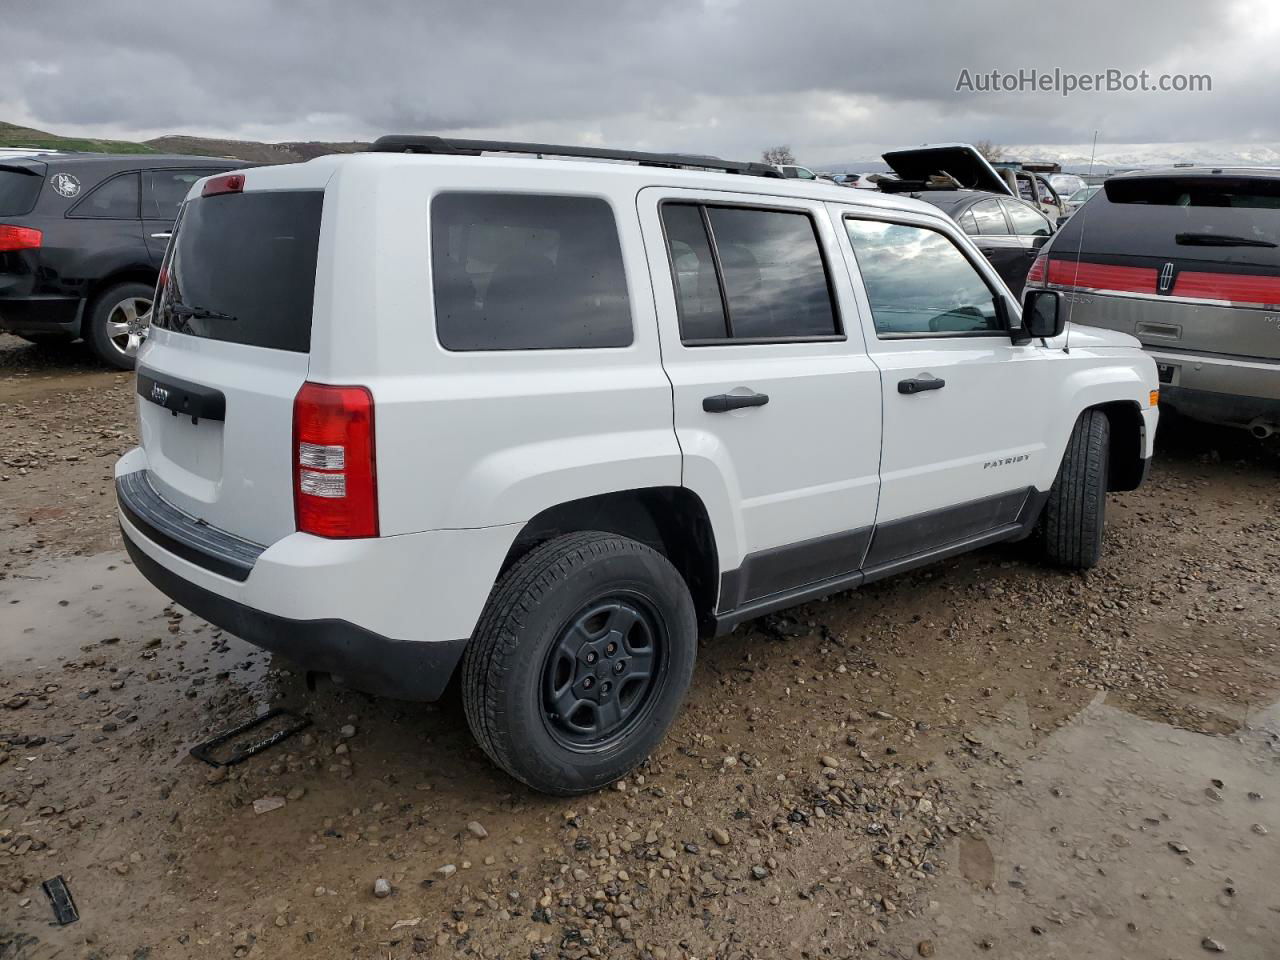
1188 261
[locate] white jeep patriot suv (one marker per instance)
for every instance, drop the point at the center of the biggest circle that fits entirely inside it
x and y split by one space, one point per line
542 423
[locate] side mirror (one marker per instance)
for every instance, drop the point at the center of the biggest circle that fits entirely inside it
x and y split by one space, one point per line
1042 314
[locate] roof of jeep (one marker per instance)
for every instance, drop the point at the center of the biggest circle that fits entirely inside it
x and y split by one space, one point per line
509 168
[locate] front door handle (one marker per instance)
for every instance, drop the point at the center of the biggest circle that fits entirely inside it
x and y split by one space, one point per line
162 236
724 402
920 384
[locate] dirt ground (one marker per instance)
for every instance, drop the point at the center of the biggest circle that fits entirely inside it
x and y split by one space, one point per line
985 758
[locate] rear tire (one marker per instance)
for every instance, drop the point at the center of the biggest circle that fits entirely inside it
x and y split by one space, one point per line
580 662
106 330
1074 516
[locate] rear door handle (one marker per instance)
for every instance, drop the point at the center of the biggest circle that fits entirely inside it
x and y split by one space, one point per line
162 236
724 402
920 384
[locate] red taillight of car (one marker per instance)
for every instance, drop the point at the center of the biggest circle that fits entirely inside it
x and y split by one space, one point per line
1037 271
335 479
1102 276
1233 287
227 183
19 238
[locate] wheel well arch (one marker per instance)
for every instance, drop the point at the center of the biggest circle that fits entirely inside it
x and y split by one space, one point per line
130 274
672 520
1124 462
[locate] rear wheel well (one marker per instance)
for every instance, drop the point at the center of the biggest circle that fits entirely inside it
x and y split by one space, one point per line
99 286
1124 462
671 520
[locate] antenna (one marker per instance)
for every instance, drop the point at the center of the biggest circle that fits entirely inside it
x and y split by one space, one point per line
1066 344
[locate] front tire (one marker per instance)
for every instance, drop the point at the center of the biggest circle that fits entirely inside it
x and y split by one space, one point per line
580 662
1074 516
111 318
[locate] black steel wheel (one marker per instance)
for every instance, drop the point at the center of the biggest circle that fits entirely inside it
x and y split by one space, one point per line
602 671
580 661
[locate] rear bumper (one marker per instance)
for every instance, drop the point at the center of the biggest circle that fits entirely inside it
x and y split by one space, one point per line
1219 389
386 615
41 314
359 658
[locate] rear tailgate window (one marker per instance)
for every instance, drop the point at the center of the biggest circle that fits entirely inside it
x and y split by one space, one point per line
1179 218
242 269
19 188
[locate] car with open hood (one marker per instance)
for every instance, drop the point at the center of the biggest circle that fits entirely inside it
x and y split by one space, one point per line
958 180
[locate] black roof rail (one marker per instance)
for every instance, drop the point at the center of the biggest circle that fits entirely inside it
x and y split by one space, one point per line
473 148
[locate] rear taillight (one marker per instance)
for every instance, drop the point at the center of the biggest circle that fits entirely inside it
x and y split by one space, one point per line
335 480
227 183
19 238
1231 287
1102 276
1037 271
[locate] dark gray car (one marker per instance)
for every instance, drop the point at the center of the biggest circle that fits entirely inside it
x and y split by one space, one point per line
1188 261
81 240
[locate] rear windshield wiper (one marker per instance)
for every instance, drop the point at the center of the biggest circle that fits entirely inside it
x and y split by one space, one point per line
1219 240
184 312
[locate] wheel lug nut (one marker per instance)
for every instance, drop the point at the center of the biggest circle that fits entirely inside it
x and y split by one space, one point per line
591 657
618 667
611 649
588 683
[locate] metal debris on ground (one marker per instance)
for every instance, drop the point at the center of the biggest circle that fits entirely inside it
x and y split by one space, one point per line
243 751
64 906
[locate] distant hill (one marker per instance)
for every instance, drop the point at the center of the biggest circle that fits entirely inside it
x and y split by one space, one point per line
15 136
250 150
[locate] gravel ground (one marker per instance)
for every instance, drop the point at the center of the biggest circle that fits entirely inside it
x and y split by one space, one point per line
983 758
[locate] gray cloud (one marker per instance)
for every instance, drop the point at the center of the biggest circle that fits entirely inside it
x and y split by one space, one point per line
834 79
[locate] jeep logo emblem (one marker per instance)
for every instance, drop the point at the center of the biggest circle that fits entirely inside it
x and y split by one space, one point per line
159 394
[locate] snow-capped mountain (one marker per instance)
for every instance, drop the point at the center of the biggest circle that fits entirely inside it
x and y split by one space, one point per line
1151 154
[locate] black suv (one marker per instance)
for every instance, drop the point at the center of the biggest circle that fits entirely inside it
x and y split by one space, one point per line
81 240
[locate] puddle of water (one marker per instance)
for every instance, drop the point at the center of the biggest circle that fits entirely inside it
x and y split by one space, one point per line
1124 838
60 609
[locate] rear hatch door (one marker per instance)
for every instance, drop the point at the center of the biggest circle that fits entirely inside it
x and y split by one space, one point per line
1208 242
228 351
20 183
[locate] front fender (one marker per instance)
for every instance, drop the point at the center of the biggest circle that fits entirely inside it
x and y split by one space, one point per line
1128 376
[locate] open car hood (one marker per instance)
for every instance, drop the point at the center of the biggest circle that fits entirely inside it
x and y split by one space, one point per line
961 161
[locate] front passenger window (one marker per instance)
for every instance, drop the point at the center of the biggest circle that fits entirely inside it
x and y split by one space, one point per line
919 283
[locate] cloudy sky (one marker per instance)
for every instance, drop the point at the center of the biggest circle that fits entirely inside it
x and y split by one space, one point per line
836 80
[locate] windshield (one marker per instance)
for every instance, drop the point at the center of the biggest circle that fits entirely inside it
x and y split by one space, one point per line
1180 218
241 268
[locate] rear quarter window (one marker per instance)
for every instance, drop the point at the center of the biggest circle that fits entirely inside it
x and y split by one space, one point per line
527 272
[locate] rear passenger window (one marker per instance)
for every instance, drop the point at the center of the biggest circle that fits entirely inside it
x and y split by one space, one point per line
766 279
525 272
919 283
990 218
117 199
1027 222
